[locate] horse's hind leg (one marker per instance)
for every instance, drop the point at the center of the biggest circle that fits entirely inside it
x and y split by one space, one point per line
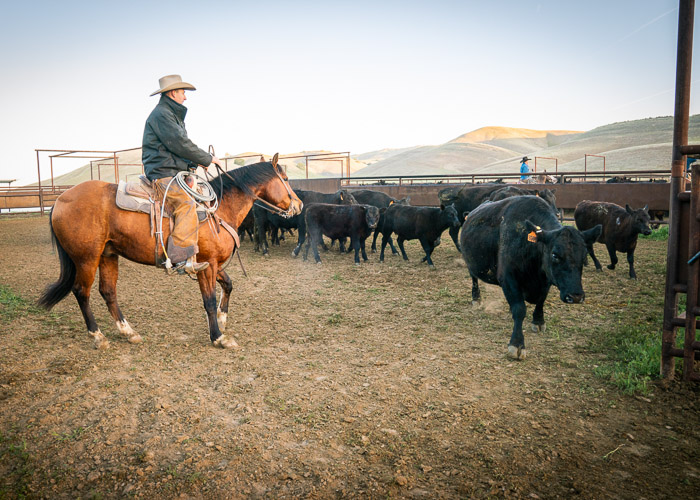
226 287
109 272
85 275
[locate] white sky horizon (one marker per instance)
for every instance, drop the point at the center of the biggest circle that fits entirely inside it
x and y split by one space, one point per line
341 76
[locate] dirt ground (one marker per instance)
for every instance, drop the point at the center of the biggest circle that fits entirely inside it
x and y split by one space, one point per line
378 380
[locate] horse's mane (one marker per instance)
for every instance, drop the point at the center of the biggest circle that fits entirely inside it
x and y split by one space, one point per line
245 178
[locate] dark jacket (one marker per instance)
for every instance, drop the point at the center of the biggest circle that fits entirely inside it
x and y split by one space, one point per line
166 148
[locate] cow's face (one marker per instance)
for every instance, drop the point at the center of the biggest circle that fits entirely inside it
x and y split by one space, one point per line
640 220
371 216
563 255
449 215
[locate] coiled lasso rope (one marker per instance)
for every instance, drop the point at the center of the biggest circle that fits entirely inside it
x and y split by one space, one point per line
206 195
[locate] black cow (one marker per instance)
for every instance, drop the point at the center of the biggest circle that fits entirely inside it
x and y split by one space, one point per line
247 226
519 244
621 228
340 197
422 223
267 221
466 199
382 201
506 192
338 222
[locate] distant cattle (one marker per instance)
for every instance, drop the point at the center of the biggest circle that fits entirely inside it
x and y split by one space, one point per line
337 222
340 197
425 224
621 228
519 244
507 192
381 201
466 199
265 222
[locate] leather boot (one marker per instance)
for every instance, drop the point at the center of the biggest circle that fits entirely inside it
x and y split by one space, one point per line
193 267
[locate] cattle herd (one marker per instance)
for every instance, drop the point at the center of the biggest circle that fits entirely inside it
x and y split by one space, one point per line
510 236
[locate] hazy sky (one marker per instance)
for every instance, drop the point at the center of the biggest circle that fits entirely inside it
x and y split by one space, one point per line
344 76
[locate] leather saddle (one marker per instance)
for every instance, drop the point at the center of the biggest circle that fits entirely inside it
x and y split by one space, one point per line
139 196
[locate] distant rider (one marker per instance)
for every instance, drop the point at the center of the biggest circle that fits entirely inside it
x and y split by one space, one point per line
524 169
166 151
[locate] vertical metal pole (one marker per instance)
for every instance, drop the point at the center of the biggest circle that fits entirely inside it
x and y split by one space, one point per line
38 178
684 60
51 163
306 159
693 277
116 168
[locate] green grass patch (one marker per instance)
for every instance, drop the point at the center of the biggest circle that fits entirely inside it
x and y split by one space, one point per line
634 357
660 234
13 305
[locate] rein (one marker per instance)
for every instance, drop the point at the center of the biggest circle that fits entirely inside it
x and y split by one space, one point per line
261 203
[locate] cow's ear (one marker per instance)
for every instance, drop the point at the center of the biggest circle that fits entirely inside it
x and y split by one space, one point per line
391 202
537 193
464 215
408 199
629 209
535 233
341 196
646 208
442 206
553 191
591 235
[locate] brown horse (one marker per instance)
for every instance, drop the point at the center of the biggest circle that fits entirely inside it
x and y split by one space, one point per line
90 231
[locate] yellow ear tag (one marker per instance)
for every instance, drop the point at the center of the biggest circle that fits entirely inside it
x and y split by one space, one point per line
532 235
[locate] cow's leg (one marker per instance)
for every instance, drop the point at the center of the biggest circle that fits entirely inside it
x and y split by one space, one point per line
374 240
385 237
207 286
516 301
362 247
476 293
630 261
400 240
109 272
613 256
538 317
355 243
261 231
454 234
394 251
302 235
274 236
598 267
315 239
85 275
226 287
428 249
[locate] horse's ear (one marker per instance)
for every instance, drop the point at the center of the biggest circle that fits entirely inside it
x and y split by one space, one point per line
275 159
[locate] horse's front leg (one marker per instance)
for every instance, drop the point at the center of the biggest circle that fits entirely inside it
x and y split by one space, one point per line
226 287
207 286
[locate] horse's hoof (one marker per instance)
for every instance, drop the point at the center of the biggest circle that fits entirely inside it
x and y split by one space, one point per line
101 341
539 328
225 342
476 303
516 352
131 336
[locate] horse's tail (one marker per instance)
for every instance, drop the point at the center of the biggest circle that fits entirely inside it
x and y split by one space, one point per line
55 292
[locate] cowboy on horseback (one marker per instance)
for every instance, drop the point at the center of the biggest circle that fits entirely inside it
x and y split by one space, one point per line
166 151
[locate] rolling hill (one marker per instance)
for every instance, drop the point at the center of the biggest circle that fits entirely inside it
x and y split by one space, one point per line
631 145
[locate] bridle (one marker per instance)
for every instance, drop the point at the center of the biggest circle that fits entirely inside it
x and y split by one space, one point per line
264 204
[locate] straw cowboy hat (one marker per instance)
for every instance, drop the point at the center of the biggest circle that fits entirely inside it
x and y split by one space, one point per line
172 82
